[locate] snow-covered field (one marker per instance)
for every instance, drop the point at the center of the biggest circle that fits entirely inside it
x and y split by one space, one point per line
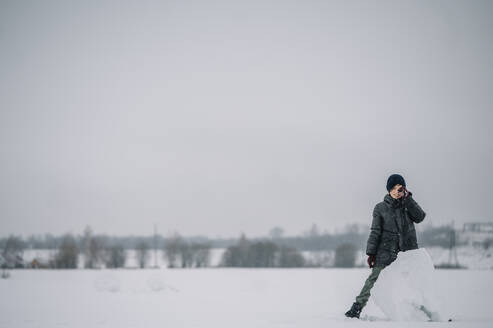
220 297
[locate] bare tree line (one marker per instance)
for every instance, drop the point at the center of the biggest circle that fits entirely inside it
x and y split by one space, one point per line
262 254
99 251
180 253
312 239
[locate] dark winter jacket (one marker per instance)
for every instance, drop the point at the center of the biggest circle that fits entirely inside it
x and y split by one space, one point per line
392 228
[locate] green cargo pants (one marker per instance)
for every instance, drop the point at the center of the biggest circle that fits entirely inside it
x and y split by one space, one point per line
364 295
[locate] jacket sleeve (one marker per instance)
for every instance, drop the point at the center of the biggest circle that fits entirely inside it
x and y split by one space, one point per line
415 211
375 233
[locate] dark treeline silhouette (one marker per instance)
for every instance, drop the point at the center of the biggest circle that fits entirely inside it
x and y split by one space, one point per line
437 236
66 257
101 250
345 256
312 241
263 254
182 253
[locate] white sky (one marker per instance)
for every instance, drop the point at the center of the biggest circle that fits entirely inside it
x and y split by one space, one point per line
216 117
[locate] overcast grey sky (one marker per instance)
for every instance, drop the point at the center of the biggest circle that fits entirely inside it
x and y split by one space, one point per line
216 117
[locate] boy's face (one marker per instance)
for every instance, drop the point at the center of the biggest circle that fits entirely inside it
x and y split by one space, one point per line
395 193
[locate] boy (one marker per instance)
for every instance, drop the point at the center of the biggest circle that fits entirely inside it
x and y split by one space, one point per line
392 230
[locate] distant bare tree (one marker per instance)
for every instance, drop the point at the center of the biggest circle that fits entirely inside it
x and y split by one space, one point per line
201 254
142 253
66 257
95 252
13 252
172 249
115 256
190 255
290 258
92 249
260 254
345 256
52 246
186 254
242 250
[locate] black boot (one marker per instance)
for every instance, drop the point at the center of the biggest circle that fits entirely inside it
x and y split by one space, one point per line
355 310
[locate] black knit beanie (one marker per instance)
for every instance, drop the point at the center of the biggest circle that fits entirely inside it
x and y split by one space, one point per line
393 180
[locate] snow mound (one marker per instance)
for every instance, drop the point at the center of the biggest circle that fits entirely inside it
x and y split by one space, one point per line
404 290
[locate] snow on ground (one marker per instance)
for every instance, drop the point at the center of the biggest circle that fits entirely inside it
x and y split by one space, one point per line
220 297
